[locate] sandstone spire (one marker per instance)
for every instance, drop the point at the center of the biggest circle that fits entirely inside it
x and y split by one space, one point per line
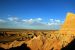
67 31
69 24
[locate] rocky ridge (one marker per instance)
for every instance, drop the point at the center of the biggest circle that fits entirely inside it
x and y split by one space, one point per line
47 40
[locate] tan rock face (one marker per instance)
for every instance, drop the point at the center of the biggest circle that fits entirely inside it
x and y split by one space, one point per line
67 31
12 44
49 40
36 43
69 24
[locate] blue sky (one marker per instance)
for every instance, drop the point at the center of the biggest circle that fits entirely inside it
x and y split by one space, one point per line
34 14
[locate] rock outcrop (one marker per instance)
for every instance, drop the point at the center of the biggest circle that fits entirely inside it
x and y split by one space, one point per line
36 43
11 44
48 40
67 31
56 41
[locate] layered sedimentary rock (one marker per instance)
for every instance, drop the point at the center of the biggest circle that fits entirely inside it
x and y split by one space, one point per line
65 35
49 40
12 44
36 43
67 31
69 24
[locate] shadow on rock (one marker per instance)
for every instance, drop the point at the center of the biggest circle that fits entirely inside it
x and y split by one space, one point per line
70 46
22 47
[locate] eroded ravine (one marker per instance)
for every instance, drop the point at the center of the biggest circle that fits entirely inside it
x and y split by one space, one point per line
40 40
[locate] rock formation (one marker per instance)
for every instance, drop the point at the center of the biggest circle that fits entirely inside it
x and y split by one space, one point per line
36 43
48 40
12 44
67 31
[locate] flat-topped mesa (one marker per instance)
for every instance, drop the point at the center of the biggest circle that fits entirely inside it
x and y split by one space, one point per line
69 24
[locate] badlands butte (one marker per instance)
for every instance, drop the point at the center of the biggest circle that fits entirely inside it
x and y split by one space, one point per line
11 39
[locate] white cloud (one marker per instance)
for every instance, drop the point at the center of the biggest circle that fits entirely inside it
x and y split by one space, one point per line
49 23
2 21
28 21
13 19
31 21
51 19
39 19
24 20
55 22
